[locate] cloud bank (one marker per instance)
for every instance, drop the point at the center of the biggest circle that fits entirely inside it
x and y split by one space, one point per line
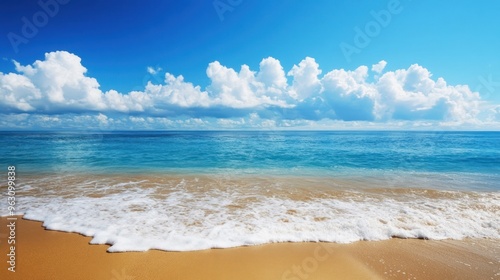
56 92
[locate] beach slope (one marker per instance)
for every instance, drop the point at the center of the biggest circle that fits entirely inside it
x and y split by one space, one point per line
45 254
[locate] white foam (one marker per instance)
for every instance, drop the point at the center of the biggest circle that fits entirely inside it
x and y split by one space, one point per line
133 218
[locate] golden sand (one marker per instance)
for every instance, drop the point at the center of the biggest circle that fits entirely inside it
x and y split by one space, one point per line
44 254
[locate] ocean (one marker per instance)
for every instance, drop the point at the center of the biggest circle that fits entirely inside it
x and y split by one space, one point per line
195 190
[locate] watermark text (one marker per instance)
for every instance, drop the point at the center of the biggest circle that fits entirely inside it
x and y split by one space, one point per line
11 219
30 27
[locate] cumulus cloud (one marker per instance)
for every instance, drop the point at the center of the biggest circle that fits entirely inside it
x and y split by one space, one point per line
410 94
245 89
272 75
305 79
379 67
268 97
57 83
348 94
175 93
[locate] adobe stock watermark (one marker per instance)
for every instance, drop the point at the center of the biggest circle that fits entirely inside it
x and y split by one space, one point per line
488 84
30 27
154 75
364 36
310 264
223 6
121 275
11 219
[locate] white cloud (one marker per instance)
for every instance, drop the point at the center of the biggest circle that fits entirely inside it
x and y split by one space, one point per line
231 123
379 67
305 79
58 85
348 94
411 94
135 101
243 89
272 75
17 92
153 70
103 119
175 92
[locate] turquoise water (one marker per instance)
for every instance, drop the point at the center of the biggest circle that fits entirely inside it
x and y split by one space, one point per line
275 152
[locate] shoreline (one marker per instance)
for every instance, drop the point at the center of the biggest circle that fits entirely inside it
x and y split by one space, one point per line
341 181
47 254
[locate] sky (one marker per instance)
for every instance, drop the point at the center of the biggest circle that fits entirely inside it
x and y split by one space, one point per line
241 64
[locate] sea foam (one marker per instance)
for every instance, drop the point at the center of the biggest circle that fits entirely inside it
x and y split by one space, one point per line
185 214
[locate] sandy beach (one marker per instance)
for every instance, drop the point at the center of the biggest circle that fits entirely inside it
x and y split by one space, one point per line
45 254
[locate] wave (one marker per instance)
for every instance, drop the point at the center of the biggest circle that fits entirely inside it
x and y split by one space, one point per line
185 213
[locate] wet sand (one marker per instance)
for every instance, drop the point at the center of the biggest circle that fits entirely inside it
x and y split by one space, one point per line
45 254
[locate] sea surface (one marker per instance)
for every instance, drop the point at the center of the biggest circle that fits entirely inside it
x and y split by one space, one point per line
189 190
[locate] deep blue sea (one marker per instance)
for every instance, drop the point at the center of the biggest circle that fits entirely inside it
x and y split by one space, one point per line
191 190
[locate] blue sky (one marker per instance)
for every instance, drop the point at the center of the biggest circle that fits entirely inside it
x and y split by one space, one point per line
117 41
